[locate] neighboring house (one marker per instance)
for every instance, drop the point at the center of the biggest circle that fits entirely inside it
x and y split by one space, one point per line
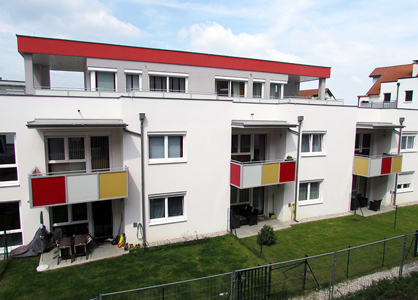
313 94
168 143
11 86
393 87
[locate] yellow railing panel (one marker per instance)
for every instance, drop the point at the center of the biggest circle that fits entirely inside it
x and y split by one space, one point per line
270 174
361 166
113 185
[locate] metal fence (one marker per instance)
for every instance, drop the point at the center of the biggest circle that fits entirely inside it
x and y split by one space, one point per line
288 279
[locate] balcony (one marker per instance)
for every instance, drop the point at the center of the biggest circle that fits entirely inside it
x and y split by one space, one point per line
75 187
246 175
377 165
377 104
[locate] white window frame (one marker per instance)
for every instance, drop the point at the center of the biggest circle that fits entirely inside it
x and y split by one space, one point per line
13 231
405 183
87 147
168 75
311 201
407 136
311 153
13 182
166 159
166 219
93 77
134 72
230 81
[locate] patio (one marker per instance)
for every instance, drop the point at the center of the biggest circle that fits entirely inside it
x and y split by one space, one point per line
367 212
247 230
95 252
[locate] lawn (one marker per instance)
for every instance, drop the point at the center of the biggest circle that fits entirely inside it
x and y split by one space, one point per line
182 261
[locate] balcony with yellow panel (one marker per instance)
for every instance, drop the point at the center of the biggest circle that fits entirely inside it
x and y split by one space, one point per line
246 175
377 165
77 187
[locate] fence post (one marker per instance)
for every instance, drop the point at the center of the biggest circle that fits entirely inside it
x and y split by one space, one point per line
403 256
332 280
348 260
384 250
232 285
416 243
304 273
6 252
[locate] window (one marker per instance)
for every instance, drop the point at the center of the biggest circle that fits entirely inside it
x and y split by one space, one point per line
68 154
241 147
230 88
132 82
386 97
309 192
166 208
405 182
363 144
166 147
105 81
253 197
175 84
10 222
258 88
408 95
276 90
69 214
312 143
8 166
408 142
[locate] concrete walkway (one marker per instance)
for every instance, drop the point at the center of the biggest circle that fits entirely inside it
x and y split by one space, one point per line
367 212
247 230
97 252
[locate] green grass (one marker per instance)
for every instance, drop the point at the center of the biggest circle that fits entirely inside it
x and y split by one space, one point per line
19 279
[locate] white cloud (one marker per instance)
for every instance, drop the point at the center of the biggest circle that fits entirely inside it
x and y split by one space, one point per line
75 19
214 38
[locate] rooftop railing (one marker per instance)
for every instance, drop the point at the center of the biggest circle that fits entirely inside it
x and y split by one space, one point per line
146 93
377 104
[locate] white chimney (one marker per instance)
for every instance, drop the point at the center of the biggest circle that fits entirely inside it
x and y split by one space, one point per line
414 68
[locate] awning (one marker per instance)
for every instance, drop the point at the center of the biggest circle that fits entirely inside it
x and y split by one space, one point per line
377 125
261 124
75 123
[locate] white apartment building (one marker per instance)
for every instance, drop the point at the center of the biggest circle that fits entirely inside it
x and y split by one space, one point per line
167 143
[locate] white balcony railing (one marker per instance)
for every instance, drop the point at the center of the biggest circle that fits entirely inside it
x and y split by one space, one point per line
377 104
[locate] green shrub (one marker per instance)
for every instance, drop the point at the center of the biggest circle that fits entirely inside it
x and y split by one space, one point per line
266 236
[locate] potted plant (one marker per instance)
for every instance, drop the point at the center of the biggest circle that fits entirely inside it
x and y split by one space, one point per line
289 157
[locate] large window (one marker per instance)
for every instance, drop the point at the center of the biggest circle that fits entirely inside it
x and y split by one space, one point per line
8 165
230 88
363 144
405 182
10 222
408 142
258 89
69 214
310 192
312 143
173 84
408 95
166 208
132 82
386 97
276 90
166 147
68 154
105 81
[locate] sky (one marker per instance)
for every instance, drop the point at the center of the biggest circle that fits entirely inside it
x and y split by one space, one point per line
352 37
